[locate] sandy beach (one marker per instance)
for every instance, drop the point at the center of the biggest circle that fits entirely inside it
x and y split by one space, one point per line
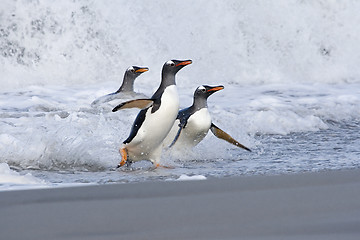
323 205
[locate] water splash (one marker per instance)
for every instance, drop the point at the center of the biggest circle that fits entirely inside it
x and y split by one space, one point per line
237 42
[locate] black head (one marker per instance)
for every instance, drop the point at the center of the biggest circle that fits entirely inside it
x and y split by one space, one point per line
134 71
205 91
169 71
173 66
202 93
129 77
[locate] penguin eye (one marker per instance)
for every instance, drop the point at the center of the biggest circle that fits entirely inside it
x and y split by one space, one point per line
171 63
202 89
132 70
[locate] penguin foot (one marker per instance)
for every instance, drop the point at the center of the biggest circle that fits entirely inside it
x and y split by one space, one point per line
158 165
124 157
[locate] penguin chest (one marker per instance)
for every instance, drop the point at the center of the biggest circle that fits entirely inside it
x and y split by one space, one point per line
158 124
197 127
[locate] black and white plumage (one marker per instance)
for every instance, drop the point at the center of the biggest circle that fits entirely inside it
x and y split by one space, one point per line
193 123
126 89
155 120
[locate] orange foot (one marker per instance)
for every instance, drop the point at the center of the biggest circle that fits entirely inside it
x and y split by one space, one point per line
156 165
124 156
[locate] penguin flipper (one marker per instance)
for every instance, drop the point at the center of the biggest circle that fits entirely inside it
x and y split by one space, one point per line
223 135
183 117
103 99
137 103
176 137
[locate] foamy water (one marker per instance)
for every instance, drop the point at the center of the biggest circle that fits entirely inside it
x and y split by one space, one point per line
292 86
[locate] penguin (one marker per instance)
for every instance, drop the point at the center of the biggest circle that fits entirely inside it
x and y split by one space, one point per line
193 123
155 120
126 89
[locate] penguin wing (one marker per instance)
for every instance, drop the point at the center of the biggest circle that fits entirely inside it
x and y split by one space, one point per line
137 103
176 137
223 135
139 120
104 99
183 116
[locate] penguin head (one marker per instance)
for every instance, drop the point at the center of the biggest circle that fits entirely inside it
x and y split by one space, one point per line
129 77
134 71
173 66
205 91
202 93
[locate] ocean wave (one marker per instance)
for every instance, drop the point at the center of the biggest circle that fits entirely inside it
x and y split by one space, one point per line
236 42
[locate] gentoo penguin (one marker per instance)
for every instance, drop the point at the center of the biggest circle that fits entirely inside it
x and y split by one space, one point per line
126 89
155 120
193 123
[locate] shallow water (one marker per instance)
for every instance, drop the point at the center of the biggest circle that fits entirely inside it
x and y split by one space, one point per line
290 71
63 140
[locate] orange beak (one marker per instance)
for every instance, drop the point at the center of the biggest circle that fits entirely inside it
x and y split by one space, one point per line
184 63
141 70
215 89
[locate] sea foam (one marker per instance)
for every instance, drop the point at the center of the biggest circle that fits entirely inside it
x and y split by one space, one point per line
238 42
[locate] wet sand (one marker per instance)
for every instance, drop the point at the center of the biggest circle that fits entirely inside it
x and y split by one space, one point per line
323 205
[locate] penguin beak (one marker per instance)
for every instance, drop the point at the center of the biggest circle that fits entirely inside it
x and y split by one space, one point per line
141 70
184 63
214 89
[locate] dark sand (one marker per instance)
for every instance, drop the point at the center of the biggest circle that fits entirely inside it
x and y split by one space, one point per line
322 205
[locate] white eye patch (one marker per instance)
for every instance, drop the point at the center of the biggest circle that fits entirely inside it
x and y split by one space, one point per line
170 62
201 88
131 69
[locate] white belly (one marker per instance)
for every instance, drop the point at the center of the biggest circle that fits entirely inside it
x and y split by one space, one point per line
155 128
195 130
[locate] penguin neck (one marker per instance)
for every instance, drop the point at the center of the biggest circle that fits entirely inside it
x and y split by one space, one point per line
126 86
167 80
199 103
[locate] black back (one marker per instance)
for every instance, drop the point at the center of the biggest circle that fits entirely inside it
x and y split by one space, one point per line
169 70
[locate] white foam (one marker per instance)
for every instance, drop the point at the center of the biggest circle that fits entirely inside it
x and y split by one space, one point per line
91 42
60 130
11 180
184 177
